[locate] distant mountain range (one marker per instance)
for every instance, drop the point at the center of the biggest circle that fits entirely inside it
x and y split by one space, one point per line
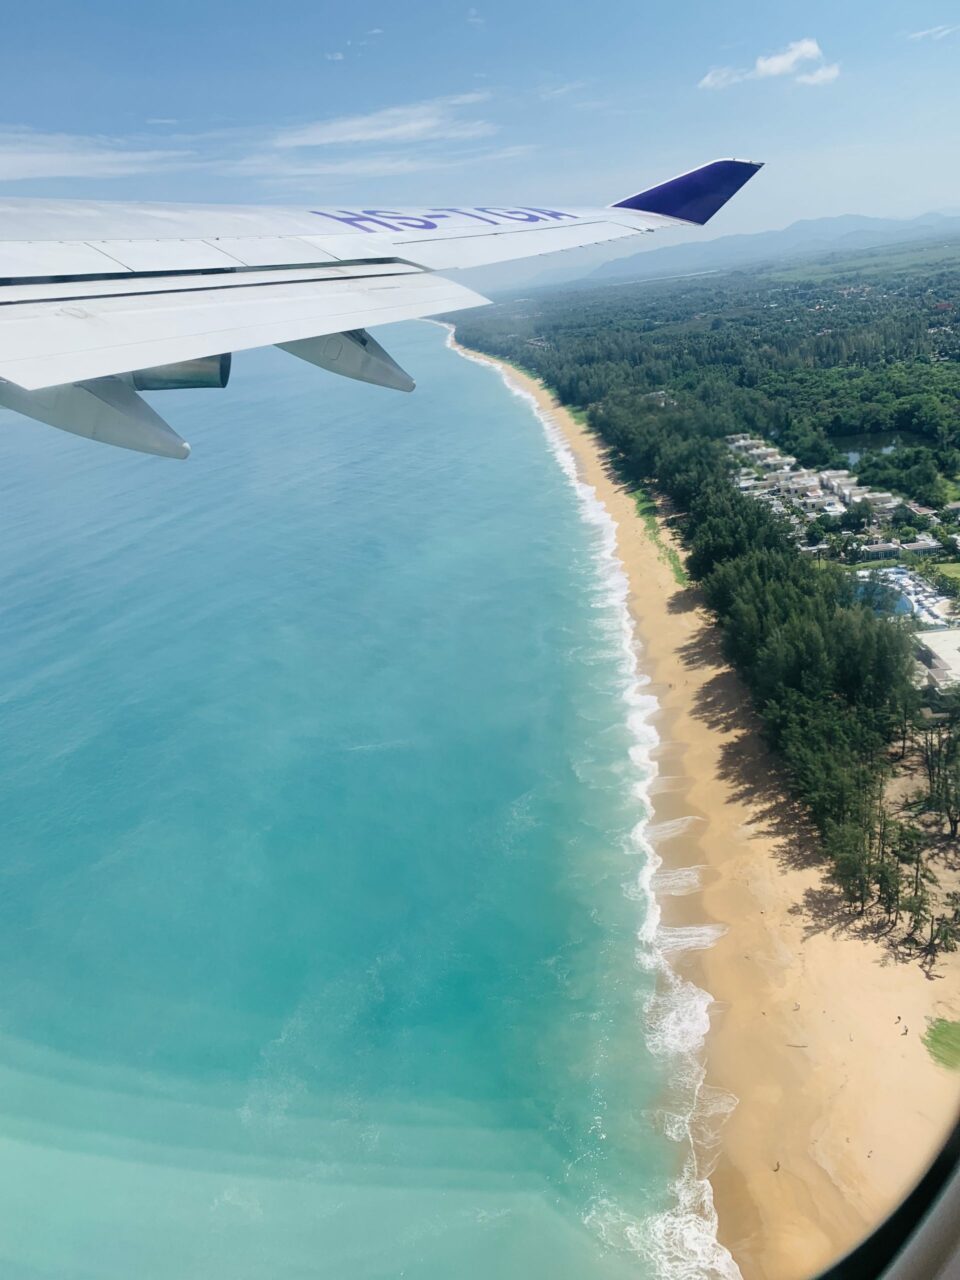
813 237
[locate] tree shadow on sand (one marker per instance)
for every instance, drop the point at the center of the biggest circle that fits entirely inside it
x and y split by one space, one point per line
723 704
685 600
747 765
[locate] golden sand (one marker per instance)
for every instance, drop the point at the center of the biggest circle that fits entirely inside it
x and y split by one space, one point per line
815 1030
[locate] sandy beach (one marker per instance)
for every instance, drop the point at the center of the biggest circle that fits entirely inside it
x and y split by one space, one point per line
817 1031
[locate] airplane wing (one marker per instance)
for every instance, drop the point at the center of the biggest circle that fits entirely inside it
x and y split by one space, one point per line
101 301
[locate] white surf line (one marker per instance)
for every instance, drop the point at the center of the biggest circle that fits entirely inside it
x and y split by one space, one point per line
681 1243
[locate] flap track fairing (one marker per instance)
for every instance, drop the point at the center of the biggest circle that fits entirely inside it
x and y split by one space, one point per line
355 355
104 409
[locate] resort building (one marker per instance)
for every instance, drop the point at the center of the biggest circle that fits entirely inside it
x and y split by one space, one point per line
830 492
919 510
922 547
939 651
883 502
852 492
801 481
881 550
833 479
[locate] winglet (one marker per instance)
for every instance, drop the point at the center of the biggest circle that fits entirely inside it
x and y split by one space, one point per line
695 196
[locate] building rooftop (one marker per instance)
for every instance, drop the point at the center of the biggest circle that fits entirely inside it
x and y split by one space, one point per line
940 653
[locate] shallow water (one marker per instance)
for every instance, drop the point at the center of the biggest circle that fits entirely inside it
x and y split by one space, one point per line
325 949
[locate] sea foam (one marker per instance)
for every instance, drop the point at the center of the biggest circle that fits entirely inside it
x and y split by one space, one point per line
681 1242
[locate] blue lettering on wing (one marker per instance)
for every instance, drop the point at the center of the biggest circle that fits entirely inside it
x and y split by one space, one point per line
394 220
553 213
359 221
464 213
512 215
400 221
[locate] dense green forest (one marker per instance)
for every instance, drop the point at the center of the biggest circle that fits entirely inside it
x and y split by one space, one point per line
664 372
804 362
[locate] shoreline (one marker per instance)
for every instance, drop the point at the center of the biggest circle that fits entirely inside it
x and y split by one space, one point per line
838 1111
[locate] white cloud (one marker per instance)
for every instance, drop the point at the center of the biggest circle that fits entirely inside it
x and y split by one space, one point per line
561 90
333 57
786 62
375 31
25 155
823 75
933 33
474 18
789 59
418 122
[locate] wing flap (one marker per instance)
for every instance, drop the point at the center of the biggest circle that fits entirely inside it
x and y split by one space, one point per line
122 286
48 344
166 255
31 258
268 251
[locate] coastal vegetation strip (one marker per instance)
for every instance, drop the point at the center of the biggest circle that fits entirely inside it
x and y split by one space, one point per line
668 555
942 1038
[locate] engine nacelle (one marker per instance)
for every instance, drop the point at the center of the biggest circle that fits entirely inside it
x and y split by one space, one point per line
186 375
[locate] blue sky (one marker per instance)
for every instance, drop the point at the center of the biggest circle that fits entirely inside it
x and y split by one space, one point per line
853 105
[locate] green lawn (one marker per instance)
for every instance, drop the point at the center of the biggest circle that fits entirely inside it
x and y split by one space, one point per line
890 563
950 567
942 1038
647 511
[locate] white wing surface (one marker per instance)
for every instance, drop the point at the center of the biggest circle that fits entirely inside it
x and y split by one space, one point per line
94 297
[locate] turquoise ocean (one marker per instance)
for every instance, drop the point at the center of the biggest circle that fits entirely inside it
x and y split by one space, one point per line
327 944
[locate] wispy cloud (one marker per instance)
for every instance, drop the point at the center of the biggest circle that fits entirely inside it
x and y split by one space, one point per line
285 168
561 90
26 154
298 171
334 57
417 122
791 61
474 18
934 33
420 137
722 78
